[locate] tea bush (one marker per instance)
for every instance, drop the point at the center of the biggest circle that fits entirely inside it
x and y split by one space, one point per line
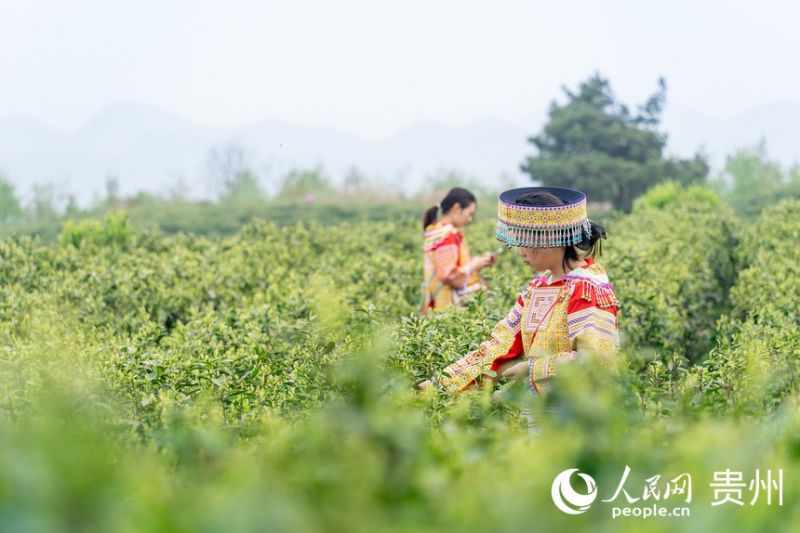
672 265
757 362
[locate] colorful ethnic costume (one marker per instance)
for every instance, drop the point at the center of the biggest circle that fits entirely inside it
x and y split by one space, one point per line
552 322
448 277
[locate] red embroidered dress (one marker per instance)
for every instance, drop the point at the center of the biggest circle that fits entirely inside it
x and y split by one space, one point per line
447 275
551 324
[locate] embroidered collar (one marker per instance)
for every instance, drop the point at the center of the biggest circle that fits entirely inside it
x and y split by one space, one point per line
592 281
592 272
436 233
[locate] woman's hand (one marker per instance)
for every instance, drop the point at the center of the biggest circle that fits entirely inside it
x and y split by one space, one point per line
517 371
424 385
483 261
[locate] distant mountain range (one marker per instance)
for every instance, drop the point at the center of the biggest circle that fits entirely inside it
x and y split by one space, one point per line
152 150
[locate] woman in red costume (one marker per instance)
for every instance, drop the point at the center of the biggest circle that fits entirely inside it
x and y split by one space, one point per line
450 271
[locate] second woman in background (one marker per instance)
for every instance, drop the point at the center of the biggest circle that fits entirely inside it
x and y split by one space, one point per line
450 271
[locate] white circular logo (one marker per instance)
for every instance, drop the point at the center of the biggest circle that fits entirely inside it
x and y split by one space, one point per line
565 497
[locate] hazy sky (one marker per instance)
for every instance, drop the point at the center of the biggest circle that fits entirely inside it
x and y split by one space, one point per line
372 67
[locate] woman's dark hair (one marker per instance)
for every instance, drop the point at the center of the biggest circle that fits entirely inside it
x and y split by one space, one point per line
457 195
591 246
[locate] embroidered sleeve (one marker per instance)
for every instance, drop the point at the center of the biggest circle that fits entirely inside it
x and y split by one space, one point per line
443 245
446 260
592 327
505 342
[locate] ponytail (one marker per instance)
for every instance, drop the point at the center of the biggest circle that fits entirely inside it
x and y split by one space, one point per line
430 216
593 246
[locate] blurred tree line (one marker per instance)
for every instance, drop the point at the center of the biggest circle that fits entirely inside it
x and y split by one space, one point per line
752 181
238 196
591 142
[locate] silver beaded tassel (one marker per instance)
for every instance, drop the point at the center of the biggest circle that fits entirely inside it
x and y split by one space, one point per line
542 238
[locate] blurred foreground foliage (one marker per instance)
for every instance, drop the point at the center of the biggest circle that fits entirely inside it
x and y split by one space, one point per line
262 381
